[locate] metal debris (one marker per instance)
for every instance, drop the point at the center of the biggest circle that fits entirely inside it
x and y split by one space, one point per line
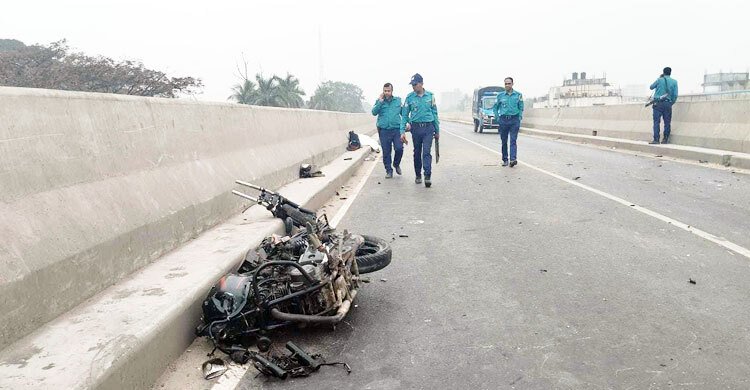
214 368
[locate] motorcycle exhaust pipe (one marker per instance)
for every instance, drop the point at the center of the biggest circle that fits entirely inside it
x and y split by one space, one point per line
313 319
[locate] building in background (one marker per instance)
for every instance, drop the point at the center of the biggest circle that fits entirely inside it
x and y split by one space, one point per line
581 91
725 82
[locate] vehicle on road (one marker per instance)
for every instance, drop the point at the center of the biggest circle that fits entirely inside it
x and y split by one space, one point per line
481 108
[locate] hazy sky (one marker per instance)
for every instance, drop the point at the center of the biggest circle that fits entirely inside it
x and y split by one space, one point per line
459 44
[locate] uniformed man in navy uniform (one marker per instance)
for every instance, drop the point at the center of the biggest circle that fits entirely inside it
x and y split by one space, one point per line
388 110
665 95
420 115
508 110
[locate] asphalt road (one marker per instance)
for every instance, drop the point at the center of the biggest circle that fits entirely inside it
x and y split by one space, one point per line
513 278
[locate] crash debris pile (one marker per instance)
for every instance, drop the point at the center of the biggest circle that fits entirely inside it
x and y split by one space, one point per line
309 276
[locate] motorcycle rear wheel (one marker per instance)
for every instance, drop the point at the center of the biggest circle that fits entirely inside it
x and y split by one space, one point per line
374 255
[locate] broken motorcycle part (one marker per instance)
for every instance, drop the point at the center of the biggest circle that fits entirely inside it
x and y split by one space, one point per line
213 368
311 277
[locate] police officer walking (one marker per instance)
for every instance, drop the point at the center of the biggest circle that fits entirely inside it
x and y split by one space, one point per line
664 97
508 110
388 110
420 115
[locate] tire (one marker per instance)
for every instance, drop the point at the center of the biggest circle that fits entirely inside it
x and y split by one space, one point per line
374 255
481 127
476 125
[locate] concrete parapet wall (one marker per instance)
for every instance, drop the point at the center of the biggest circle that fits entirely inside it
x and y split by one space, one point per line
95 186
721 125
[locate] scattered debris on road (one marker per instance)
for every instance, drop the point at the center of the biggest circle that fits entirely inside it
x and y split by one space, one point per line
310 276
576 178
296 364
403 235
703 161
214 368
692 281
308 171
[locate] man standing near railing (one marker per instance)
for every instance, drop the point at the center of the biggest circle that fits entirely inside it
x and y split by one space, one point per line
665 95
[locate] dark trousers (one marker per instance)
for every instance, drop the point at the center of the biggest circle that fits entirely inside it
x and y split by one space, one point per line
421 135
662 110
391 138
509 125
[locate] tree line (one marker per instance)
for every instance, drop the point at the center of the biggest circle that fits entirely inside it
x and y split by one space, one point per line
57 66
285 92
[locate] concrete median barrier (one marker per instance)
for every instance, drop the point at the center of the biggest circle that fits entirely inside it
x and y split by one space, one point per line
722 125
125 336
94 187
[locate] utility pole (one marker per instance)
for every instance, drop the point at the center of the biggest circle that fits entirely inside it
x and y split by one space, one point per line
321 74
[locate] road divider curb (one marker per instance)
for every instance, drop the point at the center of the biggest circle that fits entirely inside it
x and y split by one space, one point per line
692 153
126 336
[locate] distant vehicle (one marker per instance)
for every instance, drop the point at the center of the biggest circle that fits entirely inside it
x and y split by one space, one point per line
481 108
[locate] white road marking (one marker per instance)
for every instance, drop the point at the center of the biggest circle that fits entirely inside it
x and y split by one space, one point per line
231 378
350 200
689 228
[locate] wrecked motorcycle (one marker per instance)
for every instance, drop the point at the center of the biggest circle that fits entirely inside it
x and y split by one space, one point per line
309 277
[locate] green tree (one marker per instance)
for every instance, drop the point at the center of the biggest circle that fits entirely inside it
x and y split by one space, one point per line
11 44
337 96
55 66
268 93
272 91
290 92
244 93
